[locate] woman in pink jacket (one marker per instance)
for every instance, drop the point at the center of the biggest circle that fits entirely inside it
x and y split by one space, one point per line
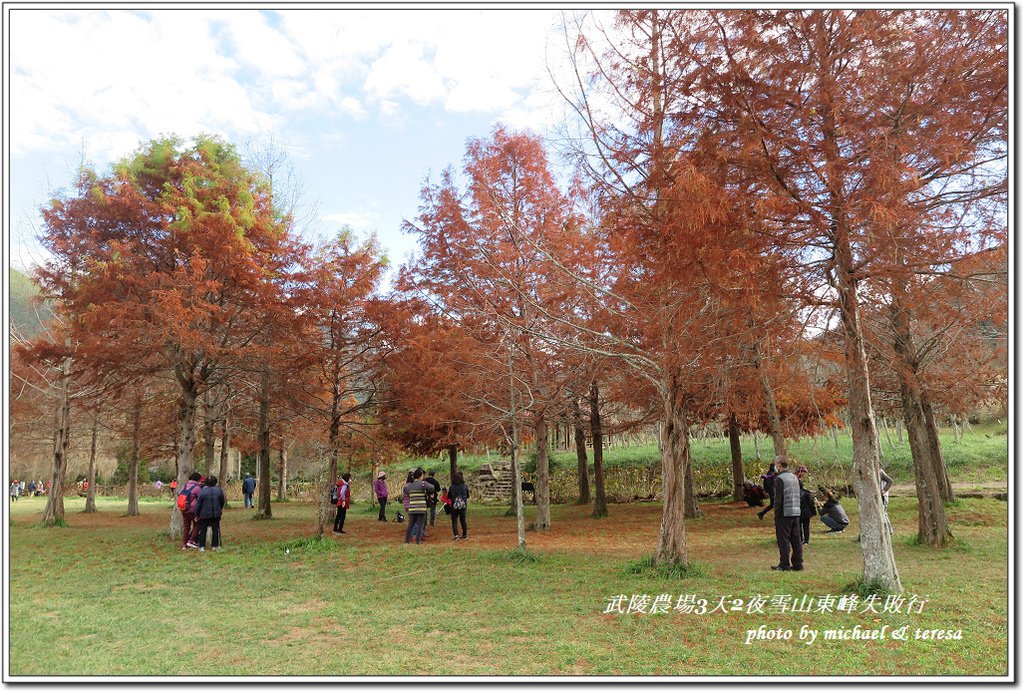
380 489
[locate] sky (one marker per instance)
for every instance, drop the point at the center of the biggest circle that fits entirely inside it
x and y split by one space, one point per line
366 103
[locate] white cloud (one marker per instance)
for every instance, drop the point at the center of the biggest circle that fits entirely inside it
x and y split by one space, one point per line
357 220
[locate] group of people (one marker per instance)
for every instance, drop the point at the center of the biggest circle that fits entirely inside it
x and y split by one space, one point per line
201 502
794 507
421 494
31 489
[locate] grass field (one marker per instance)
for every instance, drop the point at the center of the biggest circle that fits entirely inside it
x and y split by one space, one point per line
977 456
111 595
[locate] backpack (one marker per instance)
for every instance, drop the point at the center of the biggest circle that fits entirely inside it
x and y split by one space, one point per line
183 499
459 503
334 494
400 518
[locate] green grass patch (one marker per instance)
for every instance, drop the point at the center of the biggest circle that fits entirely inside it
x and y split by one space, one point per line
105 595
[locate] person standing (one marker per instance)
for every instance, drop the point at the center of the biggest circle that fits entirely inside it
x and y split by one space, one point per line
189 523
15 491
380 489
209 508
807 508
344 494
418 491
248 488
786 496
458 494
432 496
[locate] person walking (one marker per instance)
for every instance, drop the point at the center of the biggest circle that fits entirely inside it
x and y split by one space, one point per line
832 513
769 489
787 518
344 499
248 488
189 523
209 508
418 491
458 494
432 496
380 489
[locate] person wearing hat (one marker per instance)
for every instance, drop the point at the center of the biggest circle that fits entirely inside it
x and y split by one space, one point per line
380 489
807 506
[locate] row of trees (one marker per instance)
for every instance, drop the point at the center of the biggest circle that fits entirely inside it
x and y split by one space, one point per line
769 212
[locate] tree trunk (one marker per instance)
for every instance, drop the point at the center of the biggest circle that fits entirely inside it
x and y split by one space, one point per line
875 536
692 511
541 488
185 443
90 494
580 437
517 479
54 512
225 447
945 487
774 420
282 478
933 528
453 462
600 501
675 458
263 510
209 420
738 472
133 464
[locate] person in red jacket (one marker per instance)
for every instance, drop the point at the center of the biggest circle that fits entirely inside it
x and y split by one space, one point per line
343 502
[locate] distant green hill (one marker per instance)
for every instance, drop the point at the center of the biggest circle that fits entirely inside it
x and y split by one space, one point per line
26 313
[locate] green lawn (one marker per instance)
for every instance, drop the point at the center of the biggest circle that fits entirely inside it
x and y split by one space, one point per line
111 595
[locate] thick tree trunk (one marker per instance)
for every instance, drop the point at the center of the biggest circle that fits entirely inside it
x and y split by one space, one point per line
597 437
53 514
933 528
675 457
875 536
774 420
263 510
945 486
453 461
133 464
580 438
186 441
738 472
90 494
542 487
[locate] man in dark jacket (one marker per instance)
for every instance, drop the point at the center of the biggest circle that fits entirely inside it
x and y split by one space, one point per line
787 517
209 508
248 488
432 497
